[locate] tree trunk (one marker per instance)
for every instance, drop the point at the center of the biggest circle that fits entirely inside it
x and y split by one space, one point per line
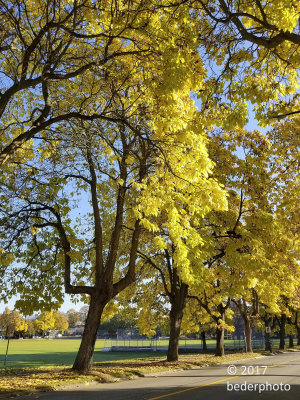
177 307
5 359
298 335
220 342
268 345
291 341
248 333
175 325
220 333
282 332
84 358
203 337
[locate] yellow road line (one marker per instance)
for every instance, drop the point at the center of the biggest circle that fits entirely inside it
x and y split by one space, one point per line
213 383
284 362
192 388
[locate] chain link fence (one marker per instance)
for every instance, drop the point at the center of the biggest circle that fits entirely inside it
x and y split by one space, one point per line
131 340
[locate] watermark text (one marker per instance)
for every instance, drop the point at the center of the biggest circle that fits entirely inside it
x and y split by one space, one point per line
258 387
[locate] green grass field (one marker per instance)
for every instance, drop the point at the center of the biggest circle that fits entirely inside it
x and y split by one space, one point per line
44 352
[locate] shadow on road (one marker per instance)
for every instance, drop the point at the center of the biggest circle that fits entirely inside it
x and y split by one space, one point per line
212 392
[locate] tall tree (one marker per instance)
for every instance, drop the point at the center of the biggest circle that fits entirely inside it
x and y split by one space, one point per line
130 175
130 89
247 249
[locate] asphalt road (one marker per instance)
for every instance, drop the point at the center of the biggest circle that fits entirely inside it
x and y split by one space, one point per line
273 377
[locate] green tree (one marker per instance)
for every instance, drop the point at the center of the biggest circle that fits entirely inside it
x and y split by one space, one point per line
118 322
73 317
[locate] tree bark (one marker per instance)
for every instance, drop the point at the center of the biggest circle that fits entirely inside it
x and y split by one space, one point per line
203 337
177 307
268 345
175 325
220 342
84 358
220 333
282 332
298 335
291 341
248 333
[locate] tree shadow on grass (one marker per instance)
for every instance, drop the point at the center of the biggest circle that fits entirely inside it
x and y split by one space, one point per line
65 358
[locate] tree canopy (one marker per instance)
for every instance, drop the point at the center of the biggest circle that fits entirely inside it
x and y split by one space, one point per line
124 157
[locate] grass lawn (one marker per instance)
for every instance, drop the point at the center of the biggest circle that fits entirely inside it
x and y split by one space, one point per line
48 352
57 352
44 352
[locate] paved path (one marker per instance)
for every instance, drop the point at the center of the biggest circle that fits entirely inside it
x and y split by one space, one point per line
280 380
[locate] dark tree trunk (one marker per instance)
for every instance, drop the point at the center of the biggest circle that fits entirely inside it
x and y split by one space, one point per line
248 333
298 335
84 358
268 321
268 345
220 333
220 342
291 341
178 301
175 325
282 332
203 337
